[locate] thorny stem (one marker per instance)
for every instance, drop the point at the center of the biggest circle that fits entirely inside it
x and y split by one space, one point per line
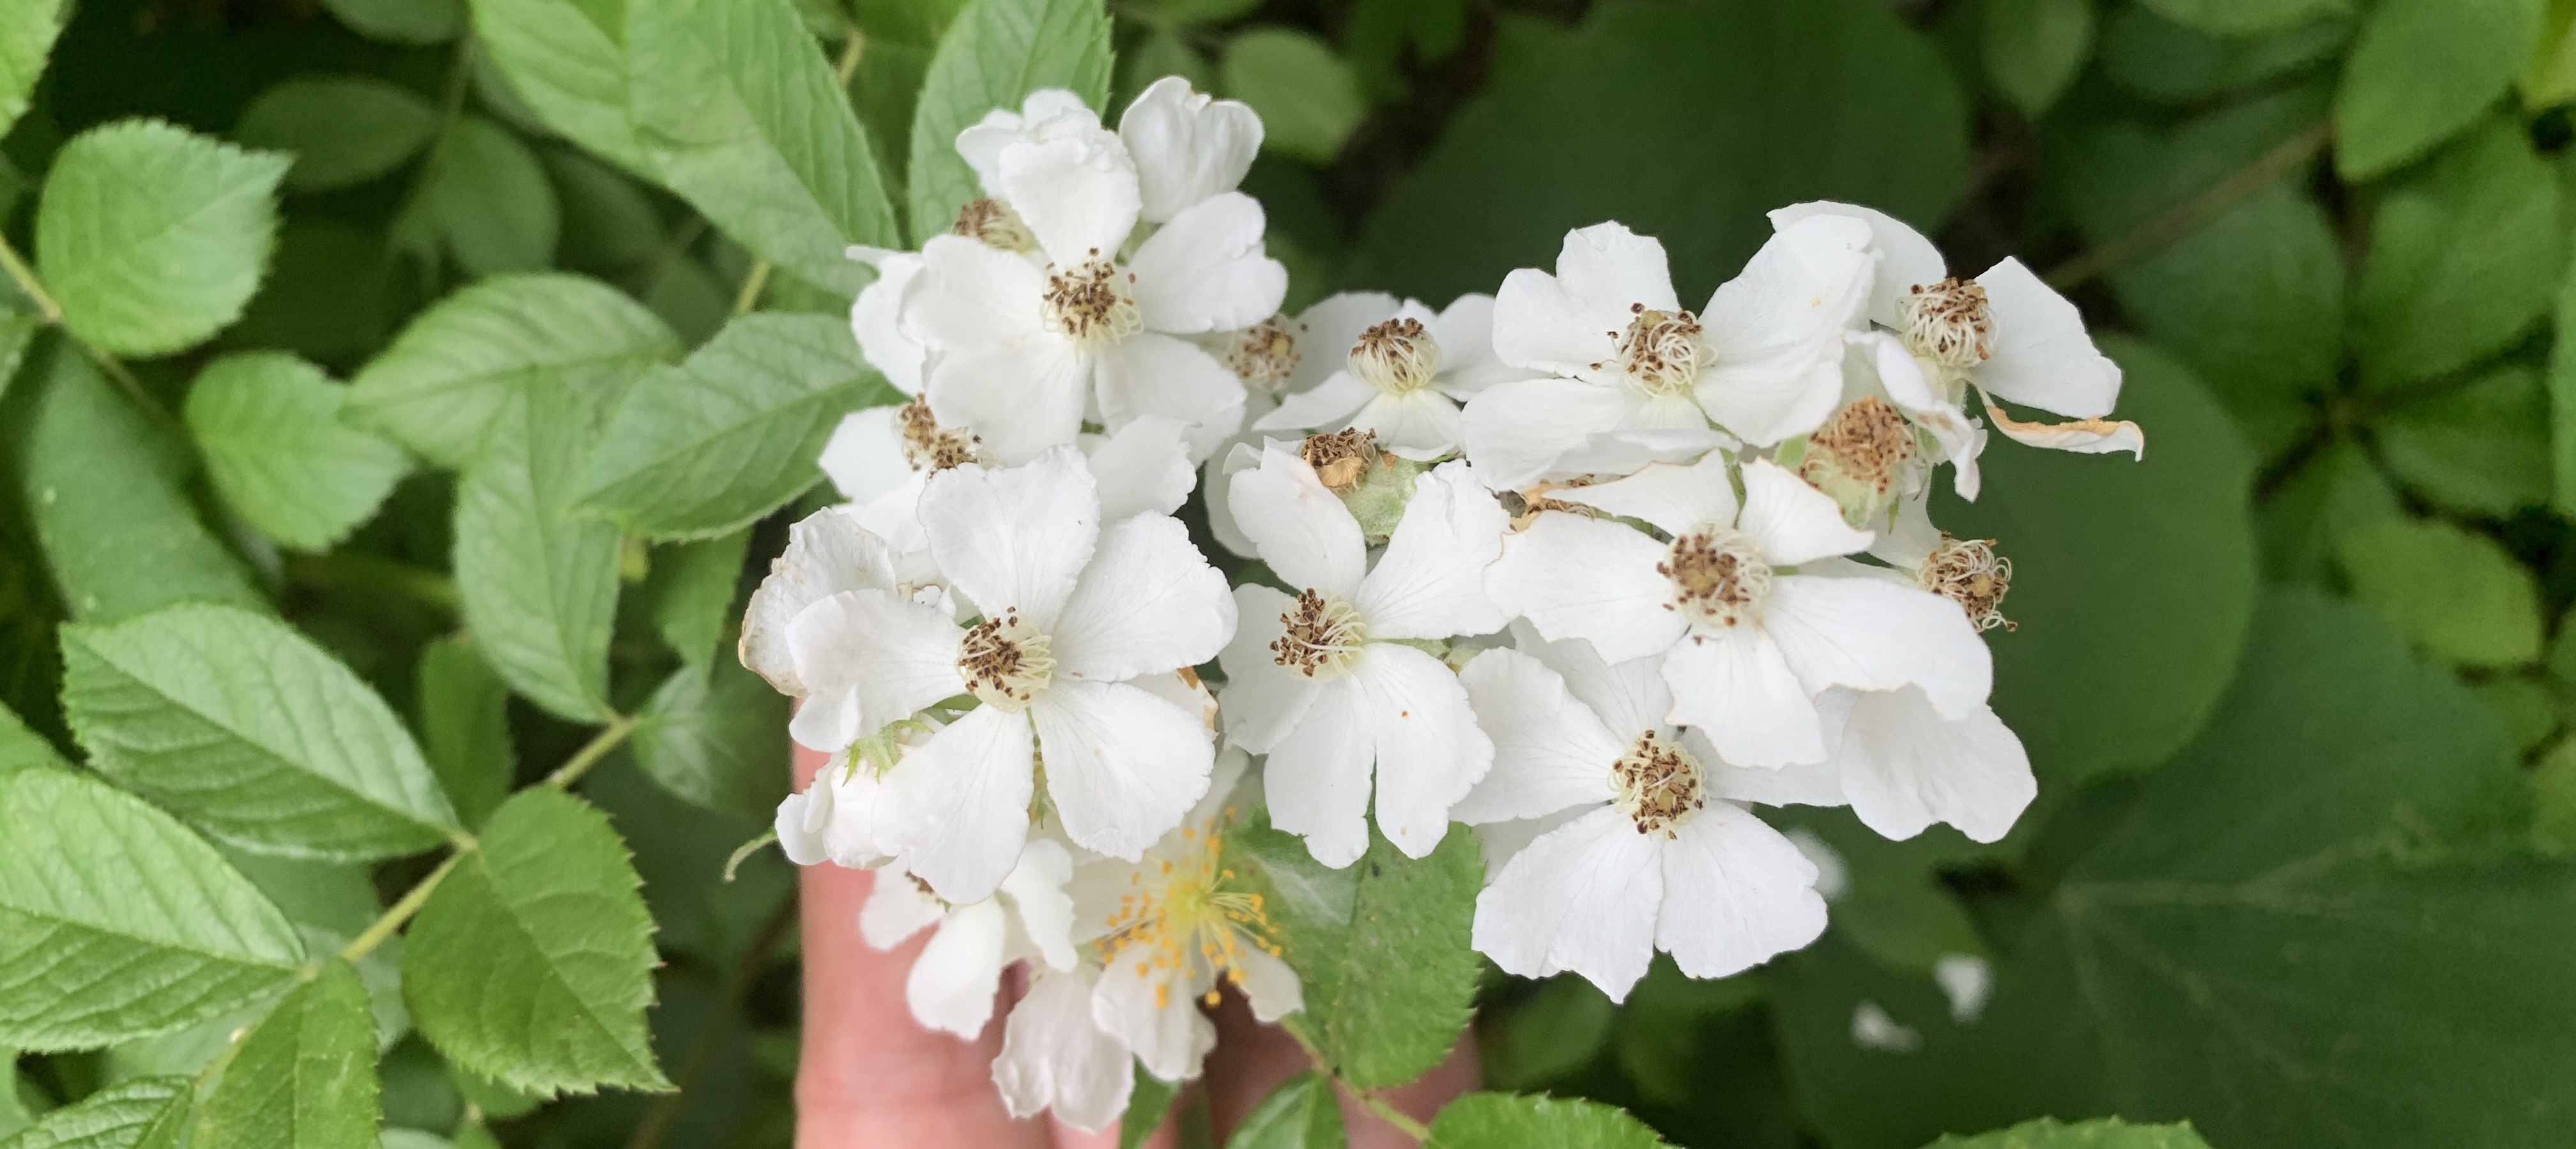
392 919
619 726
2188 216
666 1109
1369 1100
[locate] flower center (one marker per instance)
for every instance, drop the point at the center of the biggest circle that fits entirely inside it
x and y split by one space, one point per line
1264 354
1860 456
1340 458
1324 635
1718 575
1970 573
1189 908
1398 357
1659 353
991 222
1948 323
1659 783
1005 661
927 446
1090 304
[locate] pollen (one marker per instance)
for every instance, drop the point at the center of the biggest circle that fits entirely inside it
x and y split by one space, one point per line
1948 323
1867 442
1263 355
1089 304
1341 457
1398 357
1660 785
927 446
1718 576
1659 353
1005 661
1970 573
992 223
1193 920
1323 636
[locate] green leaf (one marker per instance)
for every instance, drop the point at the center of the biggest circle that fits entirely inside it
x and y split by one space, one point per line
2133 581
2553 800
1647 113
2464 258
1894 906
2422 72
465 727
714 736
2483 448
147 1114
685 849
1506 1121
401 21
692 589
452 370
1557 1031
716 443
2562 401
1147 1104
746 120
539 582
1309 99
567 60
2529 709
103 489
2160 60
269 427
2035 47
1162 53
1380 945
27 31
342 130
300 758
609 223
1301 1113
2243 17
487 203
994 55
24 749
532 963
153 237
2549 78
116 922
2310 512
2103 1133
304 1078
328 295
2457 593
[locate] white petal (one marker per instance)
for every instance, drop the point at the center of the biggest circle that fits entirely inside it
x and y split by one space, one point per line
1906 259
1182 688
875 321
1518 433
1676 497
1171 1037
1430 752
1206 271
1550 751
1872 635
1035 888
981 144
1269 986
1326 331
1736 893
1147 604
1582 897
897 908
1630 698
864 457
1906 767
1738 688
1578 577
1465 333
828 720
1797 784
2042 355
1500 842
1777 329
1143 468
1328 406
888 656
1154 374
1910 539
967 295
800 822
1076 191
971 784
1123 766
1624 450
1053 1057
1014 539
827 552
1018 398
1568 322
952 983
866 819
1216 487
1317 779
1187 146
1902 377
1421 425
1430 582
1261 699
1301 529
1794 522
2083 436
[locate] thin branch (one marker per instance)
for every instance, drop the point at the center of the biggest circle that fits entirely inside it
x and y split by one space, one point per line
392 919
34 288
2190 215
619 726
666 1109
1403 1122
749 296
359 570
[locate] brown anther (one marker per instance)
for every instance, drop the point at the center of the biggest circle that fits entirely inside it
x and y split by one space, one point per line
929 446
1659 784
1341 457
1397 357
1322 635
1948 323
1718 575
992 223
1089 303
1868 442
1660 351
1005 663
1263 355
1970 573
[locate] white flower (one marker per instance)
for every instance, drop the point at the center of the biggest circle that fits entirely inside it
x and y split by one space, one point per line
1045 110
848 814
1751 643
1403 377
1325 683
2004 331
827 554
953 980
1070 612
876 317
1172 925
1188 146
1643 378
1021 352
1656 855
1902 766
1277 358
1054 1056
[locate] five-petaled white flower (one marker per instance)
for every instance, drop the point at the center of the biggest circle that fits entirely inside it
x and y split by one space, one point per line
1640 379
1070 613
1325 681
1660 853
1750 642
1403 377
954 978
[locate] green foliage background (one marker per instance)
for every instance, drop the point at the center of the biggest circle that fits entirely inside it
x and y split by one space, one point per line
399 397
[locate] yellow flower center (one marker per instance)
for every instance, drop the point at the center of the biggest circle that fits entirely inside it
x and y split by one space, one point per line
1189 909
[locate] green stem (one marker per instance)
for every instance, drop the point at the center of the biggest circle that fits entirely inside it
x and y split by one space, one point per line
2190 215
356 570
392 919
619 726
749 296
25 276
1368 1100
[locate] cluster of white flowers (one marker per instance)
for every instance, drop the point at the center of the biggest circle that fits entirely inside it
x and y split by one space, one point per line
1590 571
